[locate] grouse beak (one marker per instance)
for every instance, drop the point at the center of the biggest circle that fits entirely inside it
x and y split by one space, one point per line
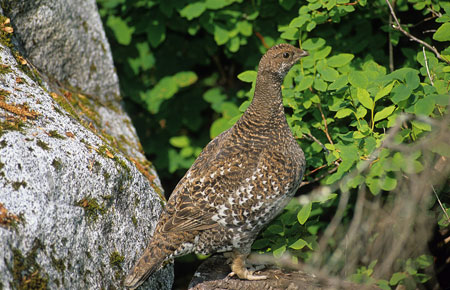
303 53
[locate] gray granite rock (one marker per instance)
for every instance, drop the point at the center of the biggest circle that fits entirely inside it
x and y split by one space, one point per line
67 41
75 212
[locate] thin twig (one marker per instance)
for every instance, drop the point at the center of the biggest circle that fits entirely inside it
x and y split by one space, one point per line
309 135
391 48
440 204
325 124
412 37
259 35
426 65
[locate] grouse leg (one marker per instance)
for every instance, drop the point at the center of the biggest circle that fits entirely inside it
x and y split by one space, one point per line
238 267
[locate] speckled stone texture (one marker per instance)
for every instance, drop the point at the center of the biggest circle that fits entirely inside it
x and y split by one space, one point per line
66 40
85 211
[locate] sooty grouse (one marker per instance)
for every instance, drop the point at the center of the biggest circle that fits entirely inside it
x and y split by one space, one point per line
238 184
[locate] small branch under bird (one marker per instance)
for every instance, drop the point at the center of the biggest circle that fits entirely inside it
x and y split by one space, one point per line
239 183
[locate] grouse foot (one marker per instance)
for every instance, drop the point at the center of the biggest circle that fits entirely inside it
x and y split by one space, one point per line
238 268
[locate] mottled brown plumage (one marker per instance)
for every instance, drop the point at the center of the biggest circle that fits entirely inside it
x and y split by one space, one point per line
238 184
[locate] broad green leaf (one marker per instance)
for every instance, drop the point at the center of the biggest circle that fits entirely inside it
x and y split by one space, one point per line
358 79
221 35
400 93
389 183
424 107
412 80
185 78
322 53
304 213
396 278
245 28
275 229
218 127
340 59
156 32
443 32
313 43
260 244
291 33
193 10
121 30
217 4
279 252
421 125
320 85
339 83
299 244
343 113
383 284
248 76
364 98
305 83
329 74
299 21
311 25
386 112
349 155
179 141
384 91
234 44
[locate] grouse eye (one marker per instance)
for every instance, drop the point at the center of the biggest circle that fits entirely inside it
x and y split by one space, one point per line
286 54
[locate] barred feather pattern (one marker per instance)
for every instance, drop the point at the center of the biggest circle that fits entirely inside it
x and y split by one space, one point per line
241 181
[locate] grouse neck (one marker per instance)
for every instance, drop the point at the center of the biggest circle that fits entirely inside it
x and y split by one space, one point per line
267 101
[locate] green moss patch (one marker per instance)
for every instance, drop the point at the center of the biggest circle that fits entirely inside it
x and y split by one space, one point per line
27 273
92 208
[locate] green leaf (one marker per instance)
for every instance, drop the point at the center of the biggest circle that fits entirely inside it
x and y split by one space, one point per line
313 43
358 79
260 244
339 83
218 127
121 30
400 93
299 21
340 59
156 33
386 112
220 35
245 28
185 78
217 4
304 213
179 141
193 10
329 74
396 278
412 80
364 98
389 183
424 107
343 113
443 32
320 85
384 91
275 229
305 83
299 244
421 125
383 284
248 76
279 252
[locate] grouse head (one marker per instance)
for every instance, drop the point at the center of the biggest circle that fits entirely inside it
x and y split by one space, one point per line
279 59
